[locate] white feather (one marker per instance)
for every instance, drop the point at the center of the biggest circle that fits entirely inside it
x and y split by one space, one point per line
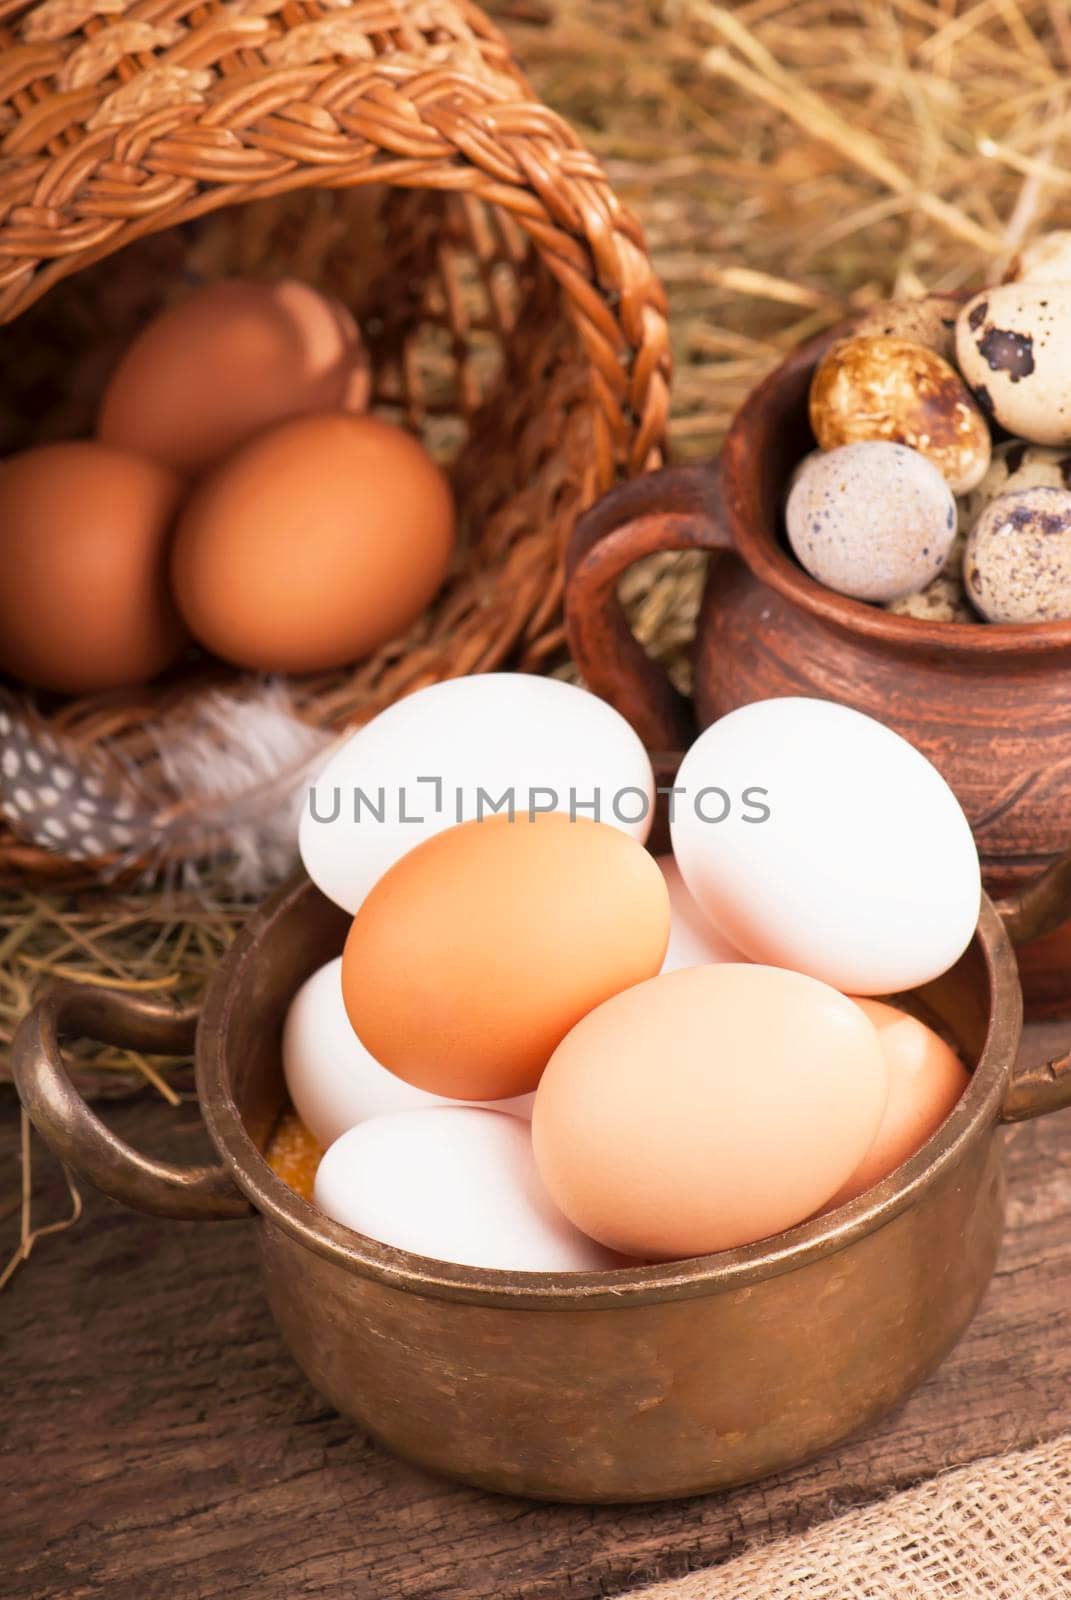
237 763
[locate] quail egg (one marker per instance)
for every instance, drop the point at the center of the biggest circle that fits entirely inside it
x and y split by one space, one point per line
893 389
1046 259
928 320
873 520
1013 344
1017 565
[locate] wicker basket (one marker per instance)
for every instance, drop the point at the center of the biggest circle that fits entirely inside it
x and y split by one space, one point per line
390 152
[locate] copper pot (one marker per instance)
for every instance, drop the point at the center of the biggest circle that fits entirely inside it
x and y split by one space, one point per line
989 705
640 1384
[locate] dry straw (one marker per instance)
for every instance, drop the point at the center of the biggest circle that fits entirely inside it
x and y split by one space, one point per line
789 159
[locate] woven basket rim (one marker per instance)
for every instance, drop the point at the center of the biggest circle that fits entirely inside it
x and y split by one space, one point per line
272 103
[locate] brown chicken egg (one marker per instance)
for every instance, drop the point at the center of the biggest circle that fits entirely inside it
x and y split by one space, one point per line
84 602
892 388
231 359
475 954
313 545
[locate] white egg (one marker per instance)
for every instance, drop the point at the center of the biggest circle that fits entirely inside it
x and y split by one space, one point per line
457 750
455 1183
333 1081
864 873
694 941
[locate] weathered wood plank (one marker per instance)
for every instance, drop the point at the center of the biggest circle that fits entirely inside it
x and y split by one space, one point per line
156 1443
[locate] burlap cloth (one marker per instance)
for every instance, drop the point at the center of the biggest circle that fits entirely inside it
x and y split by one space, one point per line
997 1530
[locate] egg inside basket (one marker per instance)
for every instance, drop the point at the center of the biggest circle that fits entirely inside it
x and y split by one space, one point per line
400 165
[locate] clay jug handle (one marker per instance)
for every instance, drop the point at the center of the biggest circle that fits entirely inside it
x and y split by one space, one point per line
679 508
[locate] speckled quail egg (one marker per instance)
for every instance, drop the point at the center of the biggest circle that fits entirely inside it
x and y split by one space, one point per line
1046 259
1013 344
1017 465
1017 565
873 520
894 389
929 320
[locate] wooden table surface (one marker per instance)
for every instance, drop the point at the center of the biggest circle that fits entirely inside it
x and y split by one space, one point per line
157 1443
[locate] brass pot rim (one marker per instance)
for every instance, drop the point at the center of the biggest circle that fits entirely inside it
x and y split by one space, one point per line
976 1113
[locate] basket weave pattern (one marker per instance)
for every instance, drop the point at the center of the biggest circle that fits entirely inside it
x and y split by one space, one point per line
393 155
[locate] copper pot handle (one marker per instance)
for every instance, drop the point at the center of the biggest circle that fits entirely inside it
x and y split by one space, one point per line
679 508
77 1135
1040 908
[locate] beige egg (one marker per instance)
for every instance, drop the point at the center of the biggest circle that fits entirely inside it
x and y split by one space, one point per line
1013 344
1046 259
928 320
926 1078
894 389
872 520
708 1108
1017 465
1017 565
